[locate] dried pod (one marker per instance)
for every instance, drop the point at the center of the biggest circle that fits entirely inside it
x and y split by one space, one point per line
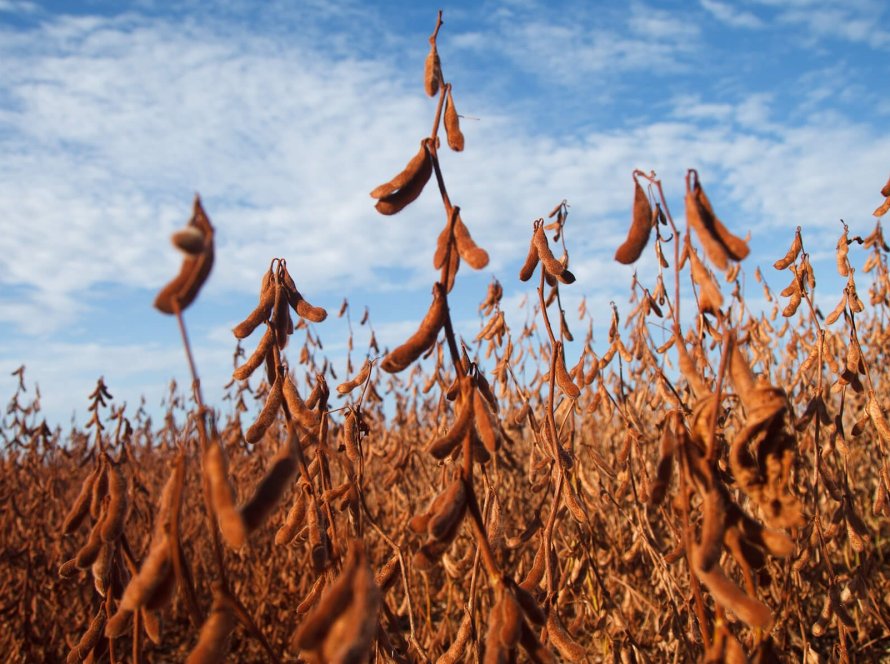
531 262
640 228
359 379
486 425
792 254
414 166
350 435
476 257
89 639
267 414
452 125
113 524
405 187
68 569
458 647
299 304
444 445
312 631
261 313
388 574
153 585
710 297
713 526
511 620
295 517
573 503
447 508
99 490
297 408
536 572
244 371
272 486
318 541
213 640
351 636
837 311
793 304
876 414
183 289
425 336
668 444
569 649
753 612
843 249
551 264
81 506
432 70
720 245
562 375
88 553
222 496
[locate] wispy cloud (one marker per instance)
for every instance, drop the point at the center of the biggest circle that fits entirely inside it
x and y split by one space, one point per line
731 15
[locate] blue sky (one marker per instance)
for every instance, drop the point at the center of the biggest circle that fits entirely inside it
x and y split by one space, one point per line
112 115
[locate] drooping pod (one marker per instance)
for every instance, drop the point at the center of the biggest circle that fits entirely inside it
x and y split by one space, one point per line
720 245
153 585
445 444
568 648
222 496
531 262
261 313
475 256
421 341
272 486
640 228
183 289
267 414
553 266
298 303
244 371
81 505
405 187
113 524
89 639
213 640
359 379
452 125
432 70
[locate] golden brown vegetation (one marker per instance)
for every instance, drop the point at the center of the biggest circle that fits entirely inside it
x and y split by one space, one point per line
718 493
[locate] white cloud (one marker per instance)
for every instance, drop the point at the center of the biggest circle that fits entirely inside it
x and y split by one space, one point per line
582 45
858 21
18 7
730 15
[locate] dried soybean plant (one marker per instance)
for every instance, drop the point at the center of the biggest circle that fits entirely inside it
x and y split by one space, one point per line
474 435
708 485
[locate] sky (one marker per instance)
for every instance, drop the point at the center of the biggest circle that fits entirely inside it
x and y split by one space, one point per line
284 115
